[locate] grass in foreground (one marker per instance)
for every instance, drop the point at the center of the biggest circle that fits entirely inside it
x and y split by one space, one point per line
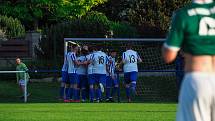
87 112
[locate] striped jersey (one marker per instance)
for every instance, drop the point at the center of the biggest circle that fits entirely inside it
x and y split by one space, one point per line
71 57
111 65
90 66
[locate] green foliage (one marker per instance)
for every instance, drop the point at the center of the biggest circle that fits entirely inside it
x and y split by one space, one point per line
123 30
10 27
93 25
41 13
152 17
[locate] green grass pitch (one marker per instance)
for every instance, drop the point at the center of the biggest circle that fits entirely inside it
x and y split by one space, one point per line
87 112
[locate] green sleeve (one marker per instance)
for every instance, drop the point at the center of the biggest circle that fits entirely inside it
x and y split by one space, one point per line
176 33
24 67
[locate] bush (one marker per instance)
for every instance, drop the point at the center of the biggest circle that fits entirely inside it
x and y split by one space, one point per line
123 30
11 27
93 25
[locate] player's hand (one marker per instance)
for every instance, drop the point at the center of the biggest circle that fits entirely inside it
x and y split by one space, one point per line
85 63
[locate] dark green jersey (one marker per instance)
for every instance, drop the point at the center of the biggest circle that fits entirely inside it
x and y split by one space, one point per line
21 67
193 29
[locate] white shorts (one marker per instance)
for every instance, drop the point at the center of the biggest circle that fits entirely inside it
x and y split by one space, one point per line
22 82
197 97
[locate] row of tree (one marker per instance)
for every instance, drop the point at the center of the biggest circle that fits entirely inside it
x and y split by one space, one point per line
150 17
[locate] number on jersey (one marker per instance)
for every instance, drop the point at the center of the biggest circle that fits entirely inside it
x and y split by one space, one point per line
207 26
101 59
132 59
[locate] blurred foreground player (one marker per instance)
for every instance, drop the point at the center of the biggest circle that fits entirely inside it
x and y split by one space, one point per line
193 30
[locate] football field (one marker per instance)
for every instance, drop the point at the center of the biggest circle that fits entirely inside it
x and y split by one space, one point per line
87 112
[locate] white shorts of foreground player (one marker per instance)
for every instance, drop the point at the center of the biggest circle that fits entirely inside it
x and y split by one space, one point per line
197 97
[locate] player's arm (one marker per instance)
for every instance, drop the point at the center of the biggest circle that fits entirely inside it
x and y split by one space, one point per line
174 39
89 60
120 64
139 58
108 64
24 67
75 61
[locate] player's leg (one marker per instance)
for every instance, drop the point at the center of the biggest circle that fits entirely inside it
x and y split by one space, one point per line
127 85
97 87
102 85
70 89
63 84
91 85
22 88
108 88
133 78
83 81
115 88
195 100
76 89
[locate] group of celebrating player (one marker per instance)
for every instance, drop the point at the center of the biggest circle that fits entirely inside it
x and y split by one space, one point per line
88 71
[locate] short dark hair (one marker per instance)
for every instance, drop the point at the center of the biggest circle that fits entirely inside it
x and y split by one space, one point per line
74 46
112 50
129 46
98 47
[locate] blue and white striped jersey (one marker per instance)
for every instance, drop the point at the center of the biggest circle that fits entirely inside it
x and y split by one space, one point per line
130 59
71 57
82 70
111 65
90 66
99 61
65 64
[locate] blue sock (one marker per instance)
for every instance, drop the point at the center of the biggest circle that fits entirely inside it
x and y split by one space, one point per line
97 94
127 92
107 93
75 94
91 94
69 94
118 93
78 94
83 94
113 91
133 88
100 93
66 90
62 92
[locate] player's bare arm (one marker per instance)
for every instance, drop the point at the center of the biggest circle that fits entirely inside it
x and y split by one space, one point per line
169 55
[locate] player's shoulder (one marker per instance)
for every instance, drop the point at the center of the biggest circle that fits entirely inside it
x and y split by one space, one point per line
183 12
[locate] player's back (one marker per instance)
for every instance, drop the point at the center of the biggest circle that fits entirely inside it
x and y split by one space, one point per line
71 57
194 31
82 70
130 58
111 64
195 26
90 66
99 61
